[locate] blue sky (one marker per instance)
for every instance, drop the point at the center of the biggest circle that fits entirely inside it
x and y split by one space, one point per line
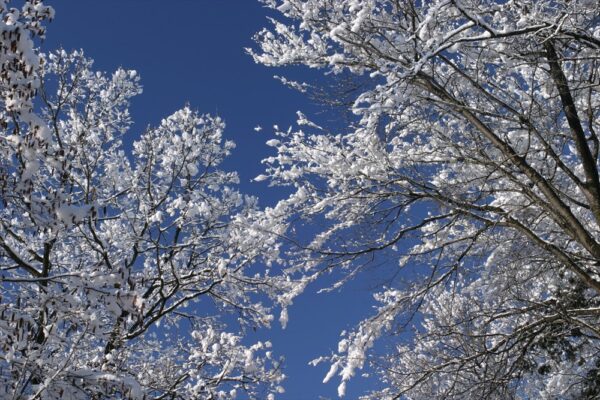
192 51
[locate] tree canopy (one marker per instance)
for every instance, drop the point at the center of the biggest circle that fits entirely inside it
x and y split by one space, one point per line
466 182
121 271
473 165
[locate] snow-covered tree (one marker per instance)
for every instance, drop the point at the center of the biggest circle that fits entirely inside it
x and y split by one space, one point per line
122 267
472 166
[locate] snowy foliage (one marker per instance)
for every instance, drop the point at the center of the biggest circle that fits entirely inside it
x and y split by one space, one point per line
473 165
100 246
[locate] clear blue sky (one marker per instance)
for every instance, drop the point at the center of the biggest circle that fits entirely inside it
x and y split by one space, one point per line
192 51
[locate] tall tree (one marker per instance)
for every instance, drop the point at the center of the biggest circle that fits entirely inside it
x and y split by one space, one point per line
118 269
473 165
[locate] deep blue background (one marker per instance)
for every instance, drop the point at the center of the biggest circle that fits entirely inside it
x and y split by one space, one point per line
192 51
